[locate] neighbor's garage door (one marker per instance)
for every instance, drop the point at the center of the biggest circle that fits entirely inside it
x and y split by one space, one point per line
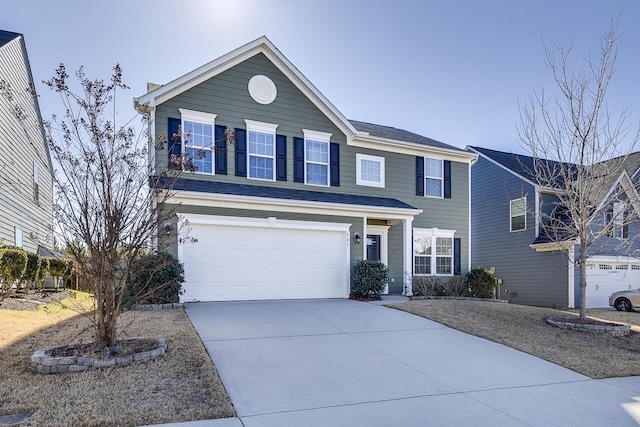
256 259
605 278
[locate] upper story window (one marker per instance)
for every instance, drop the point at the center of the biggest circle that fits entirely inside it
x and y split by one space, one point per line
261 152
618 220
198 139
518 214
36 183
316 157
370 170
433 252
434 177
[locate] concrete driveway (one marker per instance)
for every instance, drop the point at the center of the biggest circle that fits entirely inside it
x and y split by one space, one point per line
347 363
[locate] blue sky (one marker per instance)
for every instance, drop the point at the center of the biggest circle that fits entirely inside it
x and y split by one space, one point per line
452 70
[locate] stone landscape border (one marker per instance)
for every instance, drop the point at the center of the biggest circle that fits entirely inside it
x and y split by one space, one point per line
613 329
436 297
43 363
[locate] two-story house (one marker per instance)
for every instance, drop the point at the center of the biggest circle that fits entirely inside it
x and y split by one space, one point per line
288 193
26 180
508 211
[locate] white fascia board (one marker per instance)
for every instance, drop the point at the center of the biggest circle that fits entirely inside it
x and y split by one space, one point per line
260 45
553 246
414 149
230 201
627 186
270 222
624 259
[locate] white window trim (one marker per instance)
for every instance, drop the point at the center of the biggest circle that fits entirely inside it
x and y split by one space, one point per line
434 233
441 177
359 180
511 215
261 127
205 118
323 137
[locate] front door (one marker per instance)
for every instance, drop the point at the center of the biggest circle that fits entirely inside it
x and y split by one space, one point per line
373 247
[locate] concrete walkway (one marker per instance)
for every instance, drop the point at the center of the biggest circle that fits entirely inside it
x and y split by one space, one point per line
346 363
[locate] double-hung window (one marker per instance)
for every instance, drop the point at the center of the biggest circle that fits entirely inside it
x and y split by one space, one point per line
518 214
432 252
261 152
198 139
434 177
316 157
369 170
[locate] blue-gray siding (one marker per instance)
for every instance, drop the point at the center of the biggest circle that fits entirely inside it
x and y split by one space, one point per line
529 277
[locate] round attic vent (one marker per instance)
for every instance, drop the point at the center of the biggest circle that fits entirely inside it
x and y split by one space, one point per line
262 89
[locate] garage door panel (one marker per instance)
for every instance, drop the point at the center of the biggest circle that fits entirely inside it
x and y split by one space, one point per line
605 278
243 263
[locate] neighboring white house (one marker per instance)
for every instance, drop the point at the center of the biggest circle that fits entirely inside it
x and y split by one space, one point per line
26 182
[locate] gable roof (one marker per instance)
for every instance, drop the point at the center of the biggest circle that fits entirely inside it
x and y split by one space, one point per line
7 36
519 164
260 45
351 128
388 132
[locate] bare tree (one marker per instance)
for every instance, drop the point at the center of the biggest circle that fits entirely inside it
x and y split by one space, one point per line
581 150
107 203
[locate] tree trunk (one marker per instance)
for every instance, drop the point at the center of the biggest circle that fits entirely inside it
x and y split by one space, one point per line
583 278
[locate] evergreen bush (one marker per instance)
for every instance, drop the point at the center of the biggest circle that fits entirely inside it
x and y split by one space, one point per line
368 278
156 279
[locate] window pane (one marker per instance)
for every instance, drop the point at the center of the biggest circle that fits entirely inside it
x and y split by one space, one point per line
422 265
370 170
261 143
202 159
517 223
316 174
433 168
444 246
433 187
422 245
517 207
317 151
260 167
443 265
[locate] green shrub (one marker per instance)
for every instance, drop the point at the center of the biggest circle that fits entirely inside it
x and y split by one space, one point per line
155 279
480 282
13 263
368 278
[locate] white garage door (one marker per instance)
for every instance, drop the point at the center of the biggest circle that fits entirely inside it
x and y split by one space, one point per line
604 278
257 259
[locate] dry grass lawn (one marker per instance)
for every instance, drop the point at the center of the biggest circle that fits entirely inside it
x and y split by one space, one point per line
182 385
523 328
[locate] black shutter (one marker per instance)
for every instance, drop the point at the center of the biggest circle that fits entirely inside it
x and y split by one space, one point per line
298 159
334 163
220 145
457 265
281 157
608 221
241 152
174 142
419 176
447 179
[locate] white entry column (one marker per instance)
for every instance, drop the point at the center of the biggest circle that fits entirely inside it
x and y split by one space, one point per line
407 253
